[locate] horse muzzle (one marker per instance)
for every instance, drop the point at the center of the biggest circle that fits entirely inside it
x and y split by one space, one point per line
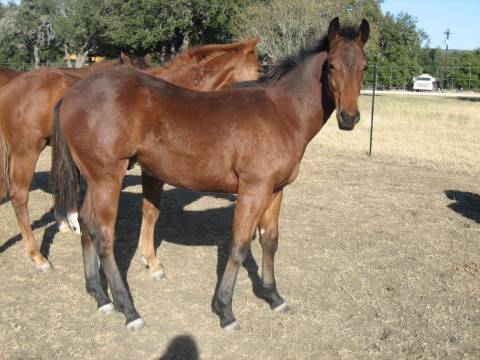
347 121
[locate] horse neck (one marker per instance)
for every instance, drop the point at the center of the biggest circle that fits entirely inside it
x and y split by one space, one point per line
304 96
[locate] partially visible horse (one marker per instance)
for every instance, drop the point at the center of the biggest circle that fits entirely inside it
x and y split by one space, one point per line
27 114
7 74
26 121
248 141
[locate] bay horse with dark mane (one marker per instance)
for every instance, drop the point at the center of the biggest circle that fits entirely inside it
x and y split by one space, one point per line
26 118
247 140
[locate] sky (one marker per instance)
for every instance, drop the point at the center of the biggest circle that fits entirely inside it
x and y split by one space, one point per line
435 16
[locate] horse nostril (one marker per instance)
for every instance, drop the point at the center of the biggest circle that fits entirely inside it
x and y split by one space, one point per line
357 117
350 118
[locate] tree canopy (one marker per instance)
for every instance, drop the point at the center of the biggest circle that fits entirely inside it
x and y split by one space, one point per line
38 32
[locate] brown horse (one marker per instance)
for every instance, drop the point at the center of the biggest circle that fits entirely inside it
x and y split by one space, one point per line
248 141
30 100
212 67
26 121
208 66
7 74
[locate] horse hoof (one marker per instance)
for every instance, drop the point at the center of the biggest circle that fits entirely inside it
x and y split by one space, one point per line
158 275
282 308
45 267
136 325
232 327
107 309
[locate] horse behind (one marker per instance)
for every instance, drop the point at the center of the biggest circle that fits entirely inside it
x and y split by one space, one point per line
27 104
248 141
26 121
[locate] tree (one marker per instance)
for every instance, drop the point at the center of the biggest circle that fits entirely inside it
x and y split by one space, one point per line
400 44
79 28
165 26
34 22
140 26
286 25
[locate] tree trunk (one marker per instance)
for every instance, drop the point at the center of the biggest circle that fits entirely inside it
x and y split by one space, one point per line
36 56
81 58
67 56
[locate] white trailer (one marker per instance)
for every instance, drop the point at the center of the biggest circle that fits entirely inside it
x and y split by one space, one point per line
424 82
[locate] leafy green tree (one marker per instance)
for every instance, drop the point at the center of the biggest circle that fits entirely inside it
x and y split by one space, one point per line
80 28
26 30
400 44
286 25
140 26
165 26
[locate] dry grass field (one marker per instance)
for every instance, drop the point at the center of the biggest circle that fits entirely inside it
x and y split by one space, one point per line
379 257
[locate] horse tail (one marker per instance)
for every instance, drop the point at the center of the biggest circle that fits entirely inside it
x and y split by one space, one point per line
4 166
64 174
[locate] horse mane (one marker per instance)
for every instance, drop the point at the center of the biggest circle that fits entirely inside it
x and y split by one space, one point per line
198 53
287 64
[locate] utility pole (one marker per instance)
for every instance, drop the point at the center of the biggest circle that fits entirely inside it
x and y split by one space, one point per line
447 38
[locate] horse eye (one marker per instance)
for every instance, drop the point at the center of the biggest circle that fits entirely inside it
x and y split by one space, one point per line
331 67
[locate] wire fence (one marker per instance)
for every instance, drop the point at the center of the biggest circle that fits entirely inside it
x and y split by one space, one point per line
389 77
464 78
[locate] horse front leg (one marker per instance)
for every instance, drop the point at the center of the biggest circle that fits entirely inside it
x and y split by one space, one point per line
251 203
152 191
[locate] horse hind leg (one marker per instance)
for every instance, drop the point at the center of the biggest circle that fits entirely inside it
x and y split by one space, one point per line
152 191
22 168
104 197
93 283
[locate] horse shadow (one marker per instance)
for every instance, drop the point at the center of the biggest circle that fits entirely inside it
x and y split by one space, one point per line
182 347
209 227
39 181
465 203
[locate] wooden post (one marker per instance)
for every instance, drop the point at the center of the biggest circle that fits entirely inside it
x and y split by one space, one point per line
373 107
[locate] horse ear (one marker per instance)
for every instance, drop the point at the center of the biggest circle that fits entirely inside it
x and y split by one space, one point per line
364 31
125 58
148 59
333 28
250 44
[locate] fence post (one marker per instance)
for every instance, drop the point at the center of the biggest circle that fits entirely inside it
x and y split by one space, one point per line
469 82
373 107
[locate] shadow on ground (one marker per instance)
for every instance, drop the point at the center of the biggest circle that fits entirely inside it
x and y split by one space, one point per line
210 227
465 203
182 347
468 99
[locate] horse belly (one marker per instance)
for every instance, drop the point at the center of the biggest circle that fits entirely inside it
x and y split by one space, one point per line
190 173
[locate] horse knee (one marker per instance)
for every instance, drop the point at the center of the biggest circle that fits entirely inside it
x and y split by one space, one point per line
18 196
238 254
150 213
269 239
103 242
